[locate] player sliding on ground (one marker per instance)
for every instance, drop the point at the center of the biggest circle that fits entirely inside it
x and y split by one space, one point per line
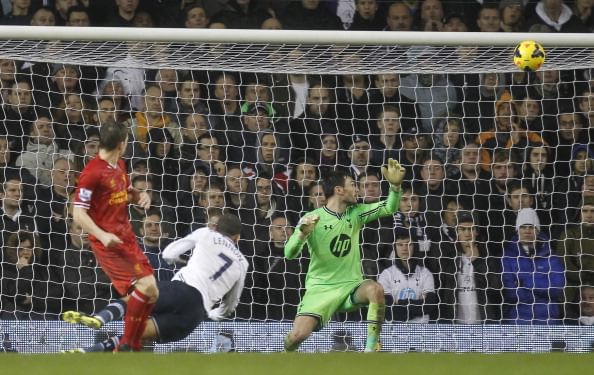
215 272
334 281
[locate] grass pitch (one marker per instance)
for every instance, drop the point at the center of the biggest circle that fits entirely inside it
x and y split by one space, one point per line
297 363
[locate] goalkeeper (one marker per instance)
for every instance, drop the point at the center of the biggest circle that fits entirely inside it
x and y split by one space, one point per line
334 281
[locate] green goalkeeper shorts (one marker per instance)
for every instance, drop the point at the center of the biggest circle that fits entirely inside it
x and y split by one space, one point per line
324 301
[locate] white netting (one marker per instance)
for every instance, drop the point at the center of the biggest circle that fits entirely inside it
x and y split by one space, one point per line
238 140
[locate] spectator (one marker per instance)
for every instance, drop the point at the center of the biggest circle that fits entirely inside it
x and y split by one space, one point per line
271 158
18 114
448 143
408 286
472 182
189 100
40 151
435 95
62 8
309 15
192 128
278 282
315 196
78 16
367 16
454 22
507 133
533 278
70 121
479 102
538 172
411 154
331 155
568 191
266 203
7 167
52 201
225 110
386 92
209 153
570 132
555 15
24 281
431 16
576 248
86 150
242 14
359 155
152 117
586 106
319 118
20 13
236 188
303 174
432 187
387 142
512 15
352 108
73 267
529 111
411 214
489 19
153 241
582 9
586 309
399 17
163 163
125 13
195 17
43 17
469 284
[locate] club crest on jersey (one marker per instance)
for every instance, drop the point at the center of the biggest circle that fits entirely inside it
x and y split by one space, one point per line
340 246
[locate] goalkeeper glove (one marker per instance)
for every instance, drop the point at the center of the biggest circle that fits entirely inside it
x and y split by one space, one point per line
307 223
394 173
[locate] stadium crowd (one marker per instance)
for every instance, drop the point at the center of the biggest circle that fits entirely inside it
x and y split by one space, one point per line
496 221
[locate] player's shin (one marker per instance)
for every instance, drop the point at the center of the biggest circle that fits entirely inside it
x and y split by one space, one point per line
114 311
375 317
135 319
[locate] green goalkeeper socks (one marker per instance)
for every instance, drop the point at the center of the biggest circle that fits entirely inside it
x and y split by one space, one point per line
375 317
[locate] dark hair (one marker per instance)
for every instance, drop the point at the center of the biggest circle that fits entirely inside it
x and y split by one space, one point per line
153 211
111 135
14 241
229 225
76 9
334 179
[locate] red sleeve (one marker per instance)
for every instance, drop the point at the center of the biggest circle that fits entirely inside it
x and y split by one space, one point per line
87 183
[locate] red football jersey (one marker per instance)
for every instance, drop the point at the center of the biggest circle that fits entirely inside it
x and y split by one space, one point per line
103 190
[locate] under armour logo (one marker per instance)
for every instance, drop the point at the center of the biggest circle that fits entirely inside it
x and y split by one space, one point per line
326 227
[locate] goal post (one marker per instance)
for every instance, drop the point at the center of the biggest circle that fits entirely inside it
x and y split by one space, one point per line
251 121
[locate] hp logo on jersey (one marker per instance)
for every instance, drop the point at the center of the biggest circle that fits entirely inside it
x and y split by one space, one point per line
340 246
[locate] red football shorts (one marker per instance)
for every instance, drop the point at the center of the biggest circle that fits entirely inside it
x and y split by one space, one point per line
123 264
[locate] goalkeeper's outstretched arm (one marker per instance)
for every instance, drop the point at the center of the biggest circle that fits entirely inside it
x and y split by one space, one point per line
296 242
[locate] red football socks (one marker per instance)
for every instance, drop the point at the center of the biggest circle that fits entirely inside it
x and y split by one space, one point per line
137 313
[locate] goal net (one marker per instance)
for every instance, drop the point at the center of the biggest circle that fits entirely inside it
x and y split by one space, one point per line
494 233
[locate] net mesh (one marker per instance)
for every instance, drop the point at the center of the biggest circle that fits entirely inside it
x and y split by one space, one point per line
253 129
288 58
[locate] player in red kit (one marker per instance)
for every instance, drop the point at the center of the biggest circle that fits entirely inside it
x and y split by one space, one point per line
101 208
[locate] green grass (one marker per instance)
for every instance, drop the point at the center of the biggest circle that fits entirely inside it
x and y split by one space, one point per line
296 363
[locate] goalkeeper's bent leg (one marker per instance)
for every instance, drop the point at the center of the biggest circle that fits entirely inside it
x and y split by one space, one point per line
302 328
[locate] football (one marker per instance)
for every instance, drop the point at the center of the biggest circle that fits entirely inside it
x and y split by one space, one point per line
529 56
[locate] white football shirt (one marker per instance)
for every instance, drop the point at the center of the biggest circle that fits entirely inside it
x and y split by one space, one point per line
216 268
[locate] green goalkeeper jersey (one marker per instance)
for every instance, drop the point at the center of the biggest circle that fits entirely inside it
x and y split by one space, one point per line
334 243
